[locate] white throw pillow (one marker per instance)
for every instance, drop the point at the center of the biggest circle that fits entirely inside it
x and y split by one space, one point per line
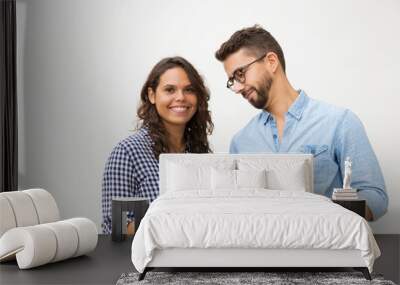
223 179
181 177
226 179
184 173
281 174
251 178
292 179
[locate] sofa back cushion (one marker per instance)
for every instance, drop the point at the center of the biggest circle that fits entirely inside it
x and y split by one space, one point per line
27 208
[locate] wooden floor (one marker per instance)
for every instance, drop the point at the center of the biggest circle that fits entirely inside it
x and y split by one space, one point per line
389 262
111 259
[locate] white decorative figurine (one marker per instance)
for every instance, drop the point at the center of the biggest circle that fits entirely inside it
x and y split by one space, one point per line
347 174
345 193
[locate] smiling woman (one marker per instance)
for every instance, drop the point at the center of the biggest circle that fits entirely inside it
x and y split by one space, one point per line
174 117
176 102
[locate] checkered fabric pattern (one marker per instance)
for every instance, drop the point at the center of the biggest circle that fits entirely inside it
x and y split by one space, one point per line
130 171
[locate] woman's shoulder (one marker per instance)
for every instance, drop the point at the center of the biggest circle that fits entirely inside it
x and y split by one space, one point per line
133 154
139 142
139 139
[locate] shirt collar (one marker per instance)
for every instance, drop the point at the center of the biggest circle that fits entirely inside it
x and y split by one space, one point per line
296 109
298 106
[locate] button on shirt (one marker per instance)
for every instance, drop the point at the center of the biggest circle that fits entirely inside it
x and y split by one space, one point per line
329 133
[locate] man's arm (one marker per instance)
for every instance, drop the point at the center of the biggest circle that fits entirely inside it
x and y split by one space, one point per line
351 140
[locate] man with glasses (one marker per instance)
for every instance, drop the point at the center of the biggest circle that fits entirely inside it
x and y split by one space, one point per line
290 121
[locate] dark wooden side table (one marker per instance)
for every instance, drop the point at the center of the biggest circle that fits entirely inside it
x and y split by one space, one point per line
357 206
137 205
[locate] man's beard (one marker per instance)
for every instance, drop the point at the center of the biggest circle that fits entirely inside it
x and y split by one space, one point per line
262 93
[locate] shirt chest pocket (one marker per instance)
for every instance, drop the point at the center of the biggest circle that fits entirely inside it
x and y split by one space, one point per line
319 151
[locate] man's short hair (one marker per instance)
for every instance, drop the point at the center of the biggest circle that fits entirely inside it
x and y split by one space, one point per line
256 40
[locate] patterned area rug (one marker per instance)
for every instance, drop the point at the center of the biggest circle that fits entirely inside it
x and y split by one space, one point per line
225 278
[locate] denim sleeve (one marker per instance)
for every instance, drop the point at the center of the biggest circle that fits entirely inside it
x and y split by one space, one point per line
351 141
232 147
118 181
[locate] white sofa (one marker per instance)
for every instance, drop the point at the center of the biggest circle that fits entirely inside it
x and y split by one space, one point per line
31 231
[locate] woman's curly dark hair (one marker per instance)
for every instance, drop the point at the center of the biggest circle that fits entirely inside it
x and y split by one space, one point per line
199 126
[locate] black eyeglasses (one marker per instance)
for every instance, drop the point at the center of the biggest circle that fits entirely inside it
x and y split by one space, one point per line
239 74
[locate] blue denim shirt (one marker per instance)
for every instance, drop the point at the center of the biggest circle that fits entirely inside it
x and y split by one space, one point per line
329 133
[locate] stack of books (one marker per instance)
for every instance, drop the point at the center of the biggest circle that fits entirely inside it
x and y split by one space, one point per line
344 194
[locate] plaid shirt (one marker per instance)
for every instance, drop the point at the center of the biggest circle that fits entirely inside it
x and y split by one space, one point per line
130 171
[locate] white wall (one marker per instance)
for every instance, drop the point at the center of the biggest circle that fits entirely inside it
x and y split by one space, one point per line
81 65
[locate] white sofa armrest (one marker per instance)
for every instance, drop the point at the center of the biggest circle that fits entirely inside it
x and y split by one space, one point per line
40 244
